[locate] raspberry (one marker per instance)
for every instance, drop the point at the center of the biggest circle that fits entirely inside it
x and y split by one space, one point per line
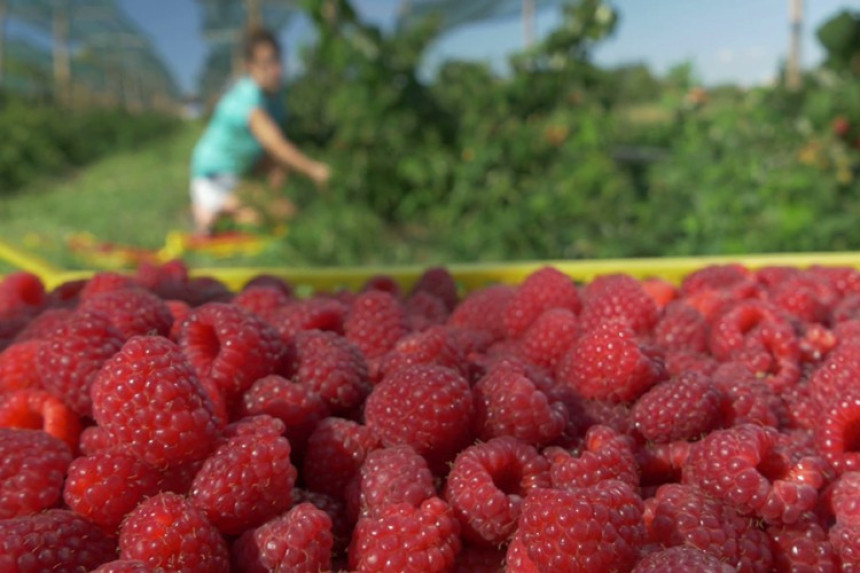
752 325
168 531
313 314
844 280
375 323
681 515
235 501
487 485
300 541
21 291
423 310
682 327
543 290
748 400
607 363
335 509
387 477
202 290
108 484
105 282
508 403
484 309
803 410
18 366
681 409
681 361
816 343
582 414
733 278
56 540
178 478
847 308
743 467
838 374
180 311
549 337
662 463
426 407
262 301
132 312
838 432
802 547
336 450
845 539
845 498
38 410
607 456
333 367
661 291
382 283
32 467
682 559
517 558
148 398
432 346
407 538
123 566
70 359
804 298
169 280
590 529
297 406
230 346
66 294
480 560
270 281
618 298
438 282
44 324
94 439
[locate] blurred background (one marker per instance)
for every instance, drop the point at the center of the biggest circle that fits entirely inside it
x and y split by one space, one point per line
458 130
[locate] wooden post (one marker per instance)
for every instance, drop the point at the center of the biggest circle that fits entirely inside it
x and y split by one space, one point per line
2 36
62 64
794 73
529 23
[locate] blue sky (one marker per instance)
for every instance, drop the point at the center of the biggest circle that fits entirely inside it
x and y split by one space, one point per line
728 40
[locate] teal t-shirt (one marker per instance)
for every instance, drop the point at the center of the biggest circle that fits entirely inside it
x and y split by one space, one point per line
228 147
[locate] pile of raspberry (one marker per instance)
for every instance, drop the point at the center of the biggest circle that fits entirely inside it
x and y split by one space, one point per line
160 422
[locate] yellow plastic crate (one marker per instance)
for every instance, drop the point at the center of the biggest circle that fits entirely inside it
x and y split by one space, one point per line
470 276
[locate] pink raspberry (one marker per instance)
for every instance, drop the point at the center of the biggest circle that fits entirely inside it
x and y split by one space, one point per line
487 485
543 290
590 529
426 407
680 409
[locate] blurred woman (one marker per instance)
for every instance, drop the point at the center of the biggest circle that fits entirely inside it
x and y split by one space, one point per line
245 132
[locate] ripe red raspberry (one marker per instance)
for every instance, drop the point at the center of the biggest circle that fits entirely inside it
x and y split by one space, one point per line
517 558
262 301
816 343
733 278
389 476
180 311
844 498
685 515
270 281
336 510
169 280
230 346
438 282
296 405
171 420
383 283
426 407
333 367
618 298
233 500
582 414
473 559
844 280
44 324
484 309
682 559
847 308
434 345
804 298
508 403
312 314
32 467
748 400
660 464
21 291
549 337
423 310
607 363
487 485
66 294
682 327
299 541
838 374
543 290
108 484
845 539
680 361
202 290
104 282
683 408
70 359
94 439
752 325
39 410
589 529
838 432
132 311
123 566
607 455
803 546
802 410
375 323
55 540
407 538
743 467
167 531
336 450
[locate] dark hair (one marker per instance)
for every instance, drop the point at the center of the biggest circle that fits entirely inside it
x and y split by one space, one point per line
260 37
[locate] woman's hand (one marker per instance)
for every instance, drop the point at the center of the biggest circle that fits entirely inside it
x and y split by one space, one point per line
320 173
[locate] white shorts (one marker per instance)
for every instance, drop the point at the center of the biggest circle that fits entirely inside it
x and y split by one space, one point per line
212 193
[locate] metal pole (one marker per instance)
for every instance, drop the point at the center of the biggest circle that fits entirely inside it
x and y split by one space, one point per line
529 23
62 64
2 35
794 77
